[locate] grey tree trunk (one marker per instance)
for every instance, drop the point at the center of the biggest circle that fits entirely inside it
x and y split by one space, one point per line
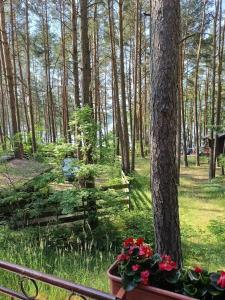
164 82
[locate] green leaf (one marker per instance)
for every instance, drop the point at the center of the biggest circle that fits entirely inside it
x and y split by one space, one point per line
190 289
192 276
173 278
215 293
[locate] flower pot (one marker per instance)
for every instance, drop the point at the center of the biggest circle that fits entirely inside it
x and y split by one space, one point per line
142 292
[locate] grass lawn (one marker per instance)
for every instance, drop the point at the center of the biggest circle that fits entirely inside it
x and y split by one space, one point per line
202 212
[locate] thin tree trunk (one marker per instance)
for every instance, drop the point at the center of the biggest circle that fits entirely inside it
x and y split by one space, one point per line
65 109
219 93
133 150
196 86
140 92
126 144
115 80
50 101
18 148
34 145
75 66
206 104
211 160
182 106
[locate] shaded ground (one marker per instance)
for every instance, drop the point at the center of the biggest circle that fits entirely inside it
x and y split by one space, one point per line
202 212
18 171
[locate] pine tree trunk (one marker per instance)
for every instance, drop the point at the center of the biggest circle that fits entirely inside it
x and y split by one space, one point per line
134 130
75 66
219 93
126 143
164 81
182 53
50 101
34 145
65 109
115 84
212 158
18 147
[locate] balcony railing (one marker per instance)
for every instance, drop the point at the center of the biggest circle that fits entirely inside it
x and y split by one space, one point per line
34 277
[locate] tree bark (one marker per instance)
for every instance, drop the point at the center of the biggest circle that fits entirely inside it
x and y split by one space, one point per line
182 53
18 147
34 145
133 149
126 143
219 93
164 81
118 123
76 65
196 86
211 159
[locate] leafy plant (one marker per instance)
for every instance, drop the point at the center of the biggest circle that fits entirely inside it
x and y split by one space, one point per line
138 263
87 131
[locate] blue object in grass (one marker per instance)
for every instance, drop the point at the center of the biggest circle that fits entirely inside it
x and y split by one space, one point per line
69 169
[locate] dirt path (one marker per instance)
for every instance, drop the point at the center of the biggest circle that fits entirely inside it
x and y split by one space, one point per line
18 171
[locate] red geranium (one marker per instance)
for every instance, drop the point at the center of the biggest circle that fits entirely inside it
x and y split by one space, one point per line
221 280
128 242
139 241
167 264
144 277
123 257
135 268
198 269
145 250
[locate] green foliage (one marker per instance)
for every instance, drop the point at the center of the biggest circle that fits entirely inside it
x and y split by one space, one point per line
87 129
217 227
87 171
107 149
54 153
221 160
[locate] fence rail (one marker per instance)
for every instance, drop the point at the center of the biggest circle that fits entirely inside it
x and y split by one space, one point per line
34 277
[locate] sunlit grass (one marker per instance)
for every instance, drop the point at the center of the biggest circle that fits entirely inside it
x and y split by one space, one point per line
202 211
201 202
84 265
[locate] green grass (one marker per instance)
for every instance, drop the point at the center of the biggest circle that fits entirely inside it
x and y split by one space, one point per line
202 211
84 265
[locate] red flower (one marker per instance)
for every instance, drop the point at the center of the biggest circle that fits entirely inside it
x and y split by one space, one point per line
139 241
144 277
128 242
131 249
198 269
145 250
167 264
123 257
135 268
221 280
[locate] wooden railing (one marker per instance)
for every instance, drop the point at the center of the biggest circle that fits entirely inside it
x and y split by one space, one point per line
75 291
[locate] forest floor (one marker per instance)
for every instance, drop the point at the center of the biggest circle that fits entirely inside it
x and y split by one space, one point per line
202 212
17 171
